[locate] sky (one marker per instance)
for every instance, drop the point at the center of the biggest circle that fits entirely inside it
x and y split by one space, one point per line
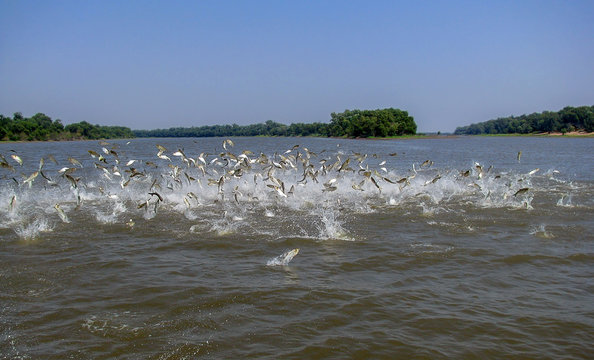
160 64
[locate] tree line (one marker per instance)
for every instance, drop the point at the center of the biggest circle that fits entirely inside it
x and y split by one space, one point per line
566 120
41 127
350 123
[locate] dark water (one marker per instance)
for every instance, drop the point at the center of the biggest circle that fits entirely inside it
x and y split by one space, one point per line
472 255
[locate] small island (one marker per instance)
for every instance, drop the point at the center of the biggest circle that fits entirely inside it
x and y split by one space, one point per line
568 120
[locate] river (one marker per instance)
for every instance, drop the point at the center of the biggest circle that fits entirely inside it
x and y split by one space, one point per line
424 248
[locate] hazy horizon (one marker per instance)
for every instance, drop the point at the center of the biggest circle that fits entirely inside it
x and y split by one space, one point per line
148 65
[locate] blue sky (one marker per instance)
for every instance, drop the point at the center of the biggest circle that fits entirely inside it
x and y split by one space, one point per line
156 64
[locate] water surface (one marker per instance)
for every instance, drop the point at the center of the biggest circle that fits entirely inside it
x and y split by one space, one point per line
473 253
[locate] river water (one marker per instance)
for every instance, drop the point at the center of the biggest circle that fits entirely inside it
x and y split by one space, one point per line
424 248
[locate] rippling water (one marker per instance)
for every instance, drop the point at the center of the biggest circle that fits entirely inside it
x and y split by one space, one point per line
472 254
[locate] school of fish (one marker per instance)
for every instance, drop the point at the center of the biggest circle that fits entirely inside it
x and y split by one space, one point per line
181 182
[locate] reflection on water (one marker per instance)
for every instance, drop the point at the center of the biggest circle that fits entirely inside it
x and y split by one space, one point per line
444 248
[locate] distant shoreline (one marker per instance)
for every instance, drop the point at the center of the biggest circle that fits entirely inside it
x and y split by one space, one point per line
573 134
543 134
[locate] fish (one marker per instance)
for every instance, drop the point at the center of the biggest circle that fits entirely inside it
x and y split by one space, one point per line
519 155
533 171
30 179
164 157
376 185
49 181
157 195
6 165
73 181
17 158
227 142
12 204
283 259
52 158
521 191
433 181
73 161
61 213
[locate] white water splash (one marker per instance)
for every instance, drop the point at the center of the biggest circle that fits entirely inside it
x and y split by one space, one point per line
283 259
565 201
541 231
32 230
331 227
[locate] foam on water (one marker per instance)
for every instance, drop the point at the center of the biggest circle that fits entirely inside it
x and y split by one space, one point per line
331 228
541 231
32 230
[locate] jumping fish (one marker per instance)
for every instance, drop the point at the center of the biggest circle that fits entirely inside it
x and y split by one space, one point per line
521 191
30 179
157 195
227 142
73 161
283 259
6 165
61 213
52 158
12 203
17 158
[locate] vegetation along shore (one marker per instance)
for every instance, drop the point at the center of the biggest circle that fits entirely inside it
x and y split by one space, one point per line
373 124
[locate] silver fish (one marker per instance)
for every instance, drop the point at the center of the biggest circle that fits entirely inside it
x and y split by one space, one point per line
17 159
61 213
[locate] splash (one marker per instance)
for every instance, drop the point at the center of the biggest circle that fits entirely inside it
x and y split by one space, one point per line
331 228
565 201
541 231
283 259
32 230
247 187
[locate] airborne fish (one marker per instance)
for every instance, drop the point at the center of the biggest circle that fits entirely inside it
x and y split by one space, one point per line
12 203
61 213
521 191
17 159
31 178
73 161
